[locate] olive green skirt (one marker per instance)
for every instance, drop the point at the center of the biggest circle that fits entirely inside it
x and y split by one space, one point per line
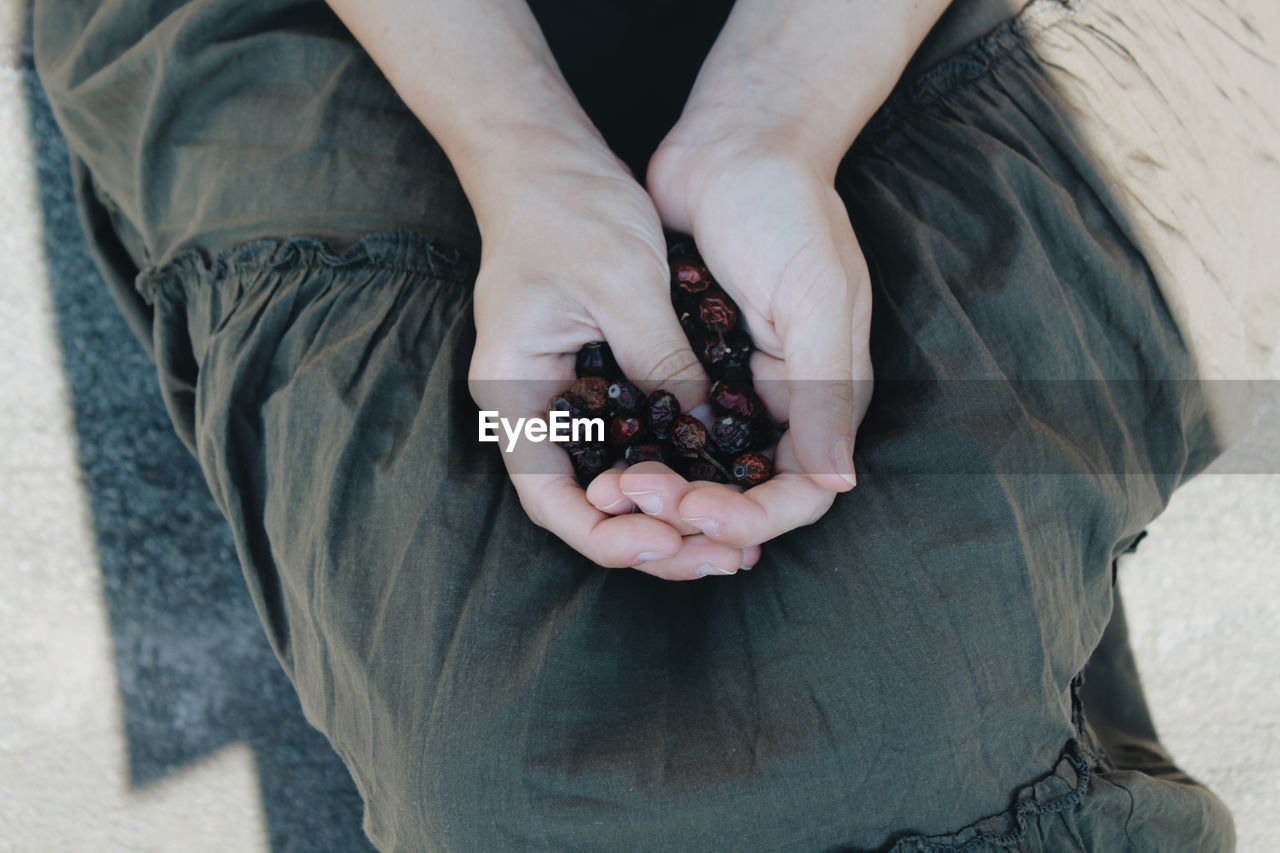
905 674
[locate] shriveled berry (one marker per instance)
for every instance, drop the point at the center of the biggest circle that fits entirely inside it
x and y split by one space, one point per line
702 469
724 356
688 435
596 359
625 430
733 435
592 394
717 312
711 350
626 398
565 402
589 460
645 451
732 397
661 410
690 276
751 468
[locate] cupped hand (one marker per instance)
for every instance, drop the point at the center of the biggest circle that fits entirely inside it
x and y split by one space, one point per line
573 254
772 229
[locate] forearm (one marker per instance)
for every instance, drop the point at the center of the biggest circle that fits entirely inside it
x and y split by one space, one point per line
807 74
479 75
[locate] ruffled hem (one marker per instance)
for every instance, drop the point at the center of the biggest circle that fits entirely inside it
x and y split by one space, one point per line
1061 789
393 250
938 82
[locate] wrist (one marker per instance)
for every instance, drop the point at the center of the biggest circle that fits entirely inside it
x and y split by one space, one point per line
527 163
770 121
697 163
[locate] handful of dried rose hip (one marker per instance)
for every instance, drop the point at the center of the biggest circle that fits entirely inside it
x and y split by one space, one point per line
652 428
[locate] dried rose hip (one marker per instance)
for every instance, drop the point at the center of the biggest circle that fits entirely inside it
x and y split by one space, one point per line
690 276
624 430
592 394
733 435
564 402
596 359
660 411
724 356
717 312
711 350
589 460
645 451
688 435
626 398
751 468
730 397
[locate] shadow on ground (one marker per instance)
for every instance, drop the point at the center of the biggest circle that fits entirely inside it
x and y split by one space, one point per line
194 667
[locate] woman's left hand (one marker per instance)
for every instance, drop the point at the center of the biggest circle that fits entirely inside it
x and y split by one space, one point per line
773 231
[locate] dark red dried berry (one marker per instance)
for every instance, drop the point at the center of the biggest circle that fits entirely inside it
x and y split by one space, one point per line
711 350
626 398
645 451
625 430
592 394
661 410
690 276
729 397
596 359
564 402
589 460
751 468
717 312
702 469
733 435
688 435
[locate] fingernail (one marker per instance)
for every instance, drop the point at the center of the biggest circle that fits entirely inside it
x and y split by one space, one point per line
649 502
746 568
708 526
842 456
649 557
609 506
708 569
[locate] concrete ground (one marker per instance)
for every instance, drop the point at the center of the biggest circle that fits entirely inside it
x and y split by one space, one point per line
140 708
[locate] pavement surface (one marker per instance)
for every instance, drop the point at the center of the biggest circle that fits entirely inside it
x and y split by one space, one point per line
140 707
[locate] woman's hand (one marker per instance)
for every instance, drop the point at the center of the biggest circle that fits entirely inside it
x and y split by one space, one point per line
573 252
749 171
771 228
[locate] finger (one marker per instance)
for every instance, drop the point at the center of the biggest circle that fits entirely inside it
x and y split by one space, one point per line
550 494
789 500
558 504
656 491
605 493
652 349
770 382
699 557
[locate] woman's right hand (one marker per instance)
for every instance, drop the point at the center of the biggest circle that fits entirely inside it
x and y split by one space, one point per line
574 252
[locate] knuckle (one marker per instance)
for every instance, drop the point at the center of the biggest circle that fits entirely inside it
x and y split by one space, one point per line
839 395
668 361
